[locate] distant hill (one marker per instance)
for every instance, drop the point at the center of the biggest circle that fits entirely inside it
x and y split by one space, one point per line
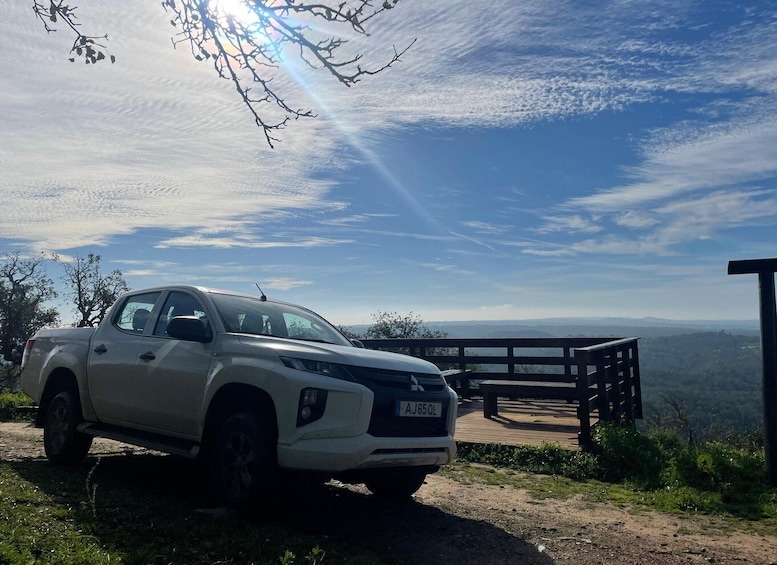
588 327
593 327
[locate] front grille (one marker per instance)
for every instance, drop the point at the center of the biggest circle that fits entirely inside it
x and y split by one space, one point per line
389 388
397 380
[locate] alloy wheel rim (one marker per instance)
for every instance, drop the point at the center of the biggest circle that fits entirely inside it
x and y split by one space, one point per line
238 465
58 427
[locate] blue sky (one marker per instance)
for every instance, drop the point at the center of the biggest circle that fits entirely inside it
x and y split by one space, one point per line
524 160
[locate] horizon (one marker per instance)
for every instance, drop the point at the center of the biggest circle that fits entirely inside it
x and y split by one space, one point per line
594 320
556 161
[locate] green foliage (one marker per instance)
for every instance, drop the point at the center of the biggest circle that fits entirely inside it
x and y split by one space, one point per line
9 406
548 459
391 325
716 376
735 473
657 468
24 292
625 453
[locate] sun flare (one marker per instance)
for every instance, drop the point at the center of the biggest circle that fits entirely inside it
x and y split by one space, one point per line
238 9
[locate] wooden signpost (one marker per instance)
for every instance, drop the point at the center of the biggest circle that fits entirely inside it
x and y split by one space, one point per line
765 269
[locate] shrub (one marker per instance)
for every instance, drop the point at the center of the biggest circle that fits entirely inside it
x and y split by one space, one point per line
548 459
623 453
9 406
735 472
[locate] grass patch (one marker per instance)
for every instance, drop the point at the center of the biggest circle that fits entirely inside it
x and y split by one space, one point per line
52 514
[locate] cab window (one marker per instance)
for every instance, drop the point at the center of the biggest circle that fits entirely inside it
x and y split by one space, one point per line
136 311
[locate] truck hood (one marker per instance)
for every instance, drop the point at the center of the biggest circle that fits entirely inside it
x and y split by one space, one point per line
342 354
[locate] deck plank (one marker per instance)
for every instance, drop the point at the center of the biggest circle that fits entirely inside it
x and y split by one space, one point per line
520 422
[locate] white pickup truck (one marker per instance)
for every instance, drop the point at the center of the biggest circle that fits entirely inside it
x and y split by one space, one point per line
248 386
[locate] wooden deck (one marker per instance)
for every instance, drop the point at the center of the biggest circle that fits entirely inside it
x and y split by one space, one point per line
520 422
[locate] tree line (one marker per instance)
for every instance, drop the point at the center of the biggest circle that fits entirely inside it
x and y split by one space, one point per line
26 293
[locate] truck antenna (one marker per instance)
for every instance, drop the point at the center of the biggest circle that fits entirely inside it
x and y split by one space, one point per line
263 298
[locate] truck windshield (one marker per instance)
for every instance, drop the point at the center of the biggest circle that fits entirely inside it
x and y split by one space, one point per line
241 314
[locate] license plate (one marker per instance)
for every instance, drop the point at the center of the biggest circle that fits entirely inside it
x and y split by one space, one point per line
413 409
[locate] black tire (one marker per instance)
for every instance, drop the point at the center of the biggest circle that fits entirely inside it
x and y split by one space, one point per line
63 444
398 484
243 462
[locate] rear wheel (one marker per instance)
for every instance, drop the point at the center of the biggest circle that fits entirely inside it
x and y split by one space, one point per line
243 462
396 484
63 444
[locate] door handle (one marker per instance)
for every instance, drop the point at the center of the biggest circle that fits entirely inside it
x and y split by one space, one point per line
101 349
148 356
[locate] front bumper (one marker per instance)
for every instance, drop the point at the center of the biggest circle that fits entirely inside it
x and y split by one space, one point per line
334 455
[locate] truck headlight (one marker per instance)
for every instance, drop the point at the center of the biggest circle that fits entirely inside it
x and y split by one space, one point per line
319 367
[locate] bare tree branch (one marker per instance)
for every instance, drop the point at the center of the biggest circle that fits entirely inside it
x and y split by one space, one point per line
246 44
85 46
91 291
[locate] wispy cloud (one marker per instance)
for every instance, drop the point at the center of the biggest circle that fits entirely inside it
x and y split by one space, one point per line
486 228
571 224
285 284
743 153
170 146
635 219
246 242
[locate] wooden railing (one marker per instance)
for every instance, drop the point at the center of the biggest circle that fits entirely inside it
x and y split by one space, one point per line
601 375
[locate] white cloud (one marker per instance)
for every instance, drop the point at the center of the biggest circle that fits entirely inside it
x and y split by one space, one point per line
486 228
284 283
571 224
246 242
635 219
743 153
168 145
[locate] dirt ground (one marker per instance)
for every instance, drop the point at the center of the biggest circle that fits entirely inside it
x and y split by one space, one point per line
453 523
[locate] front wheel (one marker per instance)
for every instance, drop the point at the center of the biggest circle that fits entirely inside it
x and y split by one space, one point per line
397 484
243 462
63 443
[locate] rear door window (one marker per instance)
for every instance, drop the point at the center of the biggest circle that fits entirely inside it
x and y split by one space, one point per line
136 311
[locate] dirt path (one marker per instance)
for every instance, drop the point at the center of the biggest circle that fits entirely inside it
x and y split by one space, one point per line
454 523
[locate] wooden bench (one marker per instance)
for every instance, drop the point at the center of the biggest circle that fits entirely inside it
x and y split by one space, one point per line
493 389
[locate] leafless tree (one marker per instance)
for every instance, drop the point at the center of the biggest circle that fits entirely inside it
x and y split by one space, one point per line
679 416
92 292
244 48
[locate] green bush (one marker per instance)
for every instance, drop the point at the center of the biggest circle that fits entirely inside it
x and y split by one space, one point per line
659 467
623 453
548 459
735 472
9 404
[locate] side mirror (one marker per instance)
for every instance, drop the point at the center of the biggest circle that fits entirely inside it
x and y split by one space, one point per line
189 328
357 343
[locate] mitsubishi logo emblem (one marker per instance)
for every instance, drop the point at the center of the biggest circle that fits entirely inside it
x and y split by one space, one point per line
414 385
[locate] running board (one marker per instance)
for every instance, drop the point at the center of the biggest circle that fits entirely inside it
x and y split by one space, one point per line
157 442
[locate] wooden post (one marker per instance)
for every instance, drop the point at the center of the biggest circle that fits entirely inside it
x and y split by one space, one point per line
637 383
583 399
765 268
